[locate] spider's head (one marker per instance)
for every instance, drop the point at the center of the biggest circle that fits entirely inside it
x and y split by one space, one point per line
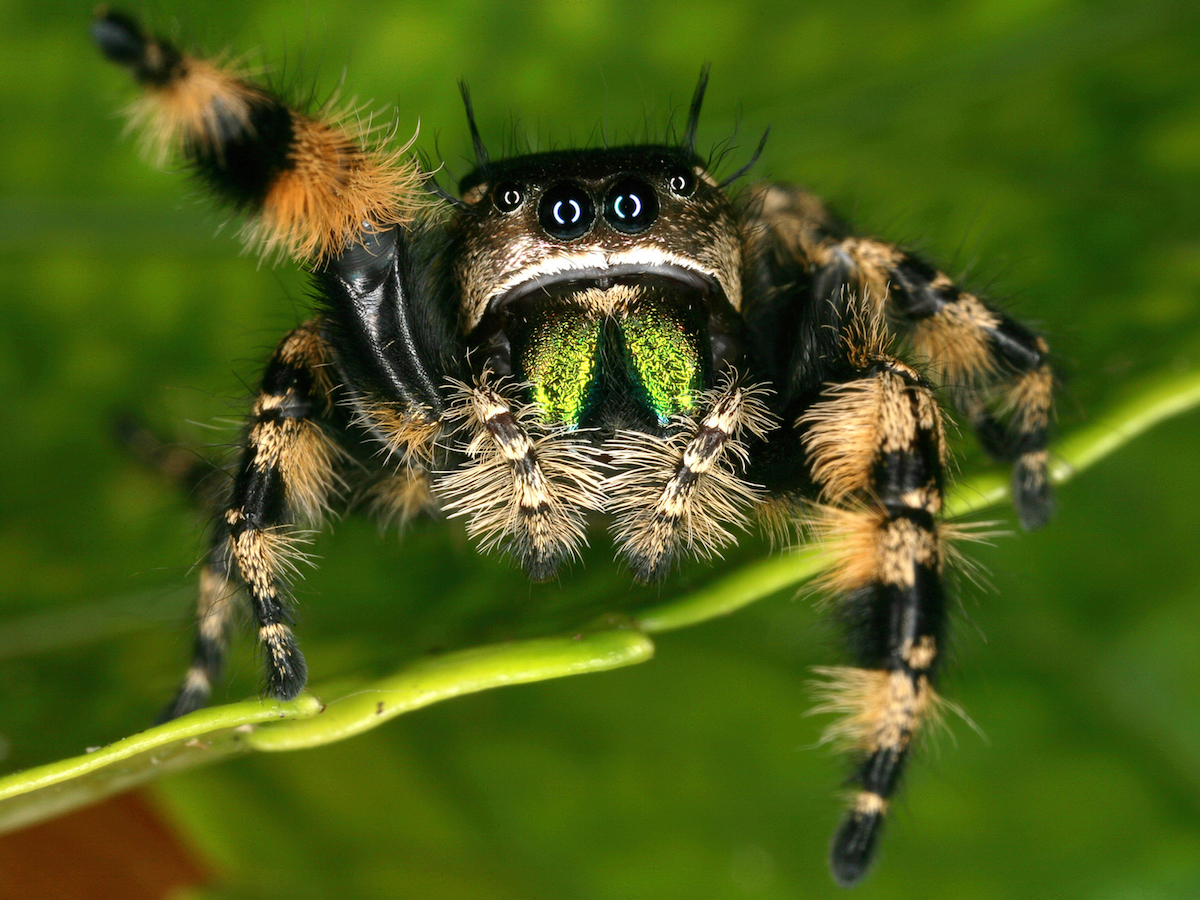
606 278
538 220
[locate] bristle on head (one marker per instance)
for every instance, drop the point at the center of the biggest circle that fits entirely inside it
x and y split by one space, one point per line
693 122
481 154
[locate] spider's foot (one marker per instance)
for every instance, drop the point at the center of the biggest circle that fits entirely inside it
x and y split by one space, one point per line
287 673
193 695
854 843
1032 493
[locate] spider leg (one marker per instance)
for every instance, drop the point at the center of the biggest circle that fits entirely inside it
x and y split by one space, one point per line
398 498
287 474
320 188
995 369
310 184
526 492
214 612
679 494
876 450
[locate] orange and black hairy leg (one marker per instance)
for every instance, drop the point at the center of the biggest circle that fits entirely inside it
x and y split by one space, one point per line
995 369
876 449
287 475
307 184
318 187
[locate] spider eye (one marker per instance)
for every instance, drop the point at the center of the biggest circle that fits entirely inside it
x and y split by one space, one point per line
631 206
566 211
508 196
681 181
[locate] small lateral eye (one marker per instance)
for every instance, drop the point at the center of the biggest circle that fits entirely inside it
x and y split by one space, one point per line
681 181
508 196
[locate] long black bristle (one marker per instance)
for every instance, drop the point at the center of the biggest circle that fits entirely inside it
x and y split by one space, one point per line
749 165
481 154
693 123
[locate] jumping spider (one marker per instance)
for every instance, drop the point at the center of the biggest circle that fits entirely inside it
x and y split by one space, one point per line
598 331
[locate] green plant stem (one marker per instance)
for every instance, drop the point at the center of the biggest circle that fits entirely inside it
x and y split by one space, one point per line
211 734
453 675
204 736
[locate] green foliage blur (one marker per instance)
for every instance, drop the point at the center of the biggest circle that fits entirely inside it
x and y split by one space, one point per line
1046 151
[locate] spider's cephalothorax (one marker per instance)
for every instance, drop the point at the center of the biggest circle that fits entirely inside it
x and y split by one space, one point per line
598 331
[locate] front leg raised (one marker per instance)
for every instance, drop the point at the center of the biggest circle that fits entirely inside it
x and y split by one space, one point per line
309 184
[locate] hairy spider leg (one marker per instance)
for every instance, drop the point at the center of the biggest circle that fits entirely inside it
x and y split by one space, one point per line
215 607
679 494
995 369
309 184
317 188
876 448
287 475
524 492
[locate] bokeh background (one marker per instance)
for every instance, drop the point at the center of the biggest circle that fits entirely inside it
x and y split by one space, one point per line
1046 151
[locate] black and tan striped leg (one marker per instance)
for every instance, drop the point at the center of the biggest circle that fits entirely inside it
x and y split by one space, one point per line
216 605
309 184
288 474
525 492
682 494
995 369
876 448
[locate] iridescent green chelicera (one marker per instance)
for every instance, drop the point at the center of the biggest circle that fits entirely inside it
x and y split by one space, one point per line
560 362
563 354
664 360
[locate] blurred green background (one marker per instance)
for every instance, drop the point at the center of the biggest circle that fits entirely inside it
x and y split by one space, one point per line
1046 151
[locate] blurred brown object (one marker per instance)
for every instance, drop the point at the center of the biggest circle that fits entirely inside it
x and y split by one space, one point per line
121 848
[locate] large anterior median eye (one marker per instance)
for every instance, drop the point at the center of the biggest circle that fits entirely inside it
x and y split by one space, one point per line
566 211
631 206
